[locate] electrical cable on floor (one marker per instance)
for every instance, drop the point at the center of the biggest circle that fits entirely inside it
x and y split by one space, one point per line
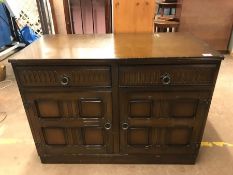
8 83
3 116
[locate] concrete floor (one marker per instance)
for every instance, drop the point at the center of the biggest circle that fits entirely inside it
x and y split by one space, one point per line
18 154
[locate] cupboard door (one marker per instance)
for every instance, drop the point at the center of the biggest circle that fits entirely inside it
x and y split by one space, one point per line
72 123
161 122
133 16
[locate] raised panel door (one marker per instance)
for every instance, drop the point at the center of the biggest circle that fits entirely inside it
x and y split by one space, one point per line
72 122
161 122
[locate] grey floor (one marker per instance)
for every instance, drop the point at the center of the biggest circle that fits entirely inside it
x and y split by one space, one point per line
18 154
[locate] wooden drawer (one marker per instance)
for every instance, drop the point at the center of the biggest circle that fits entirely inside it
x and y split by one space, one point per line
81 76
201 74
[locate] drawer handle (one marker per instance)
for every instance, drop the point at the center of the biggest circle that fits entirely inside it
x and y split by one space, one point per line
107 126
64 80
166 79
125 126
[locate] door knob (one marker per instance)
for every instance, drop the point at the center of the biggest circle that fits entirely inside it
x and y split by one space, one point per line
107 125
125 126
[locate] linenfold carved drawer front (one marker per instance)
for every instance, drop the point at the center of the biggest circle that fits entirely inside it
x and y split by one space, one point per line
81 76
167 75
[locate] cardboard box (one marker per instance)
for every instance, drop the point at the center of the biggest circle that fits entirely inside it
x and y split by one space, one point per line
2 72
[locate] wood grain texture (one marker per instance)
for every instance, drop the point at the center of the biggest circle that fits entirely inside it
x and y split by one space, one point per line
134 16
116 47
209 20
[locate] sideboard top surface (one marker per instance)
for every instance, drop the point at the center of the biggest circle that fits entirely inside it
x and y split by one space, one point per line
117 47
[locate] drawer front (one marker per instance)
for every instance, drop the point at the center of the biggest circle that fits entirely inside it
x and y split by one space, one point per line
167 75
81 76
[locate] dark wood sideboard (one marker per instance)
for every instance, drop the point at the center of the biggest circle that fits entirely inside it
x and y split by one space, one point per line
124 98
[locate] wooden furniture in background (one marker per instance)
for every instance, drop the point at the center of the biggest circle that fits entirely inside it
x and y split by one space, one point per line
88 16
210 21
125 98
134 16
58 15
169 22
166 26
53 14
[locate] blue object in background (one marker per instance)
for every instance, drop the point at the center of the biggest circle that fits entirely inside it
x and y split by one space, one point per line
5 33
28 35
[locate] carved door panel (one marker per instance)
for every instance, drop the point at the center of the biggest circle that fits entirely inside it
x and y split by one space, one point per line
72 123
161 122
